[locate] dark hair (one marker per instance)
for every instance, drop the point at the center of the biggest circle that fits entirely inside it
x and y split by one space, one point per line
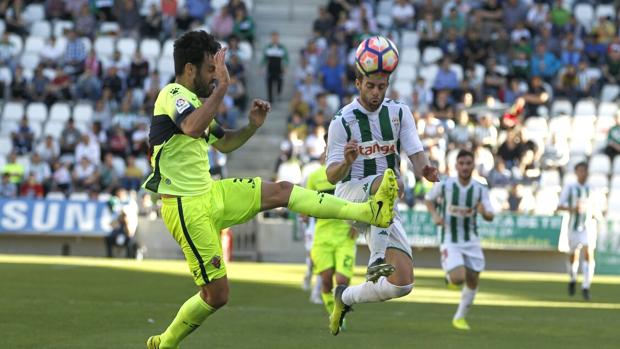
191 47
581 164
463 153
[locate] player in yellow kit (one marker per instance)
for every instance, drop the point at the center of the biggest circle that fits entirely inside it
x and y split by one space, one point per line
195 207
333 249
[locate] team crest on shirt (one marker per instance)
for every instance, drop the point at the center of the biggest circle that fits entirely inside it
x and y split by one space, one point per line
182 105
216 262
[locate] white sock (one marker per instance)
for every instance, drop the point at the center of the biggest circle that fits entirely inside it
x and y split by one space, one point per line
377 239
573 269
369 292
467 299
588 273
316 290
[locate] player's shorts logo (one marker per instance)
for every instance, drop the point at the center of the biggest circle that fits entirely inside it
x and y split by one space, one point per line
216 262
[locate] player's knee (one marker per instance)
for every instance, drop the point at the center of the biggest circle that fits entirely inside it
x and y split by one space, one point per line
215 299
390 291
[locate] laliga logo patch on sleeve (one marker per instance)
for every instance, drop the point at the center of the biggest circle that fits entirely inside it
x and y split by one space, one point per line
182 105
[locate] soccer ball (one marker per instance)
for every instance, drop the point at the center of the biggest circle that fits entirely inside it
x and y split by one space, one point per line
376 54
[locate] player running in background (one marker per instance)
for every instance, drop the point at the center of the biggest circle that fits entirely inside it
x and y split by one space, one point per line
576 198
333 249
461 199
195 207
365 139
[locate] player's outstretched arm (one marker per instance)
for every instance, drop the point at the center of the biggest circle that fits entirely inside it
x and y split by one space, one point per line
234 139
196 123
423 168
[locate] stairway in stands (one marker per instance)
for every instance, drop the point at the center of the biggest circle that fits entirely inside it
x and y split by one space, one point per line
293 19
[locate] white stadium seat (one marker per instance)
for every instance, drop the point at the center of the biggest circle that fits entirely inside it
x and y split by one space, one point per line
607 109
83 112
385 21
598 181
605 10
603 124
550 179
168 49
60 27
36 112
615 182
34 44
610 92
150 48
584 127
127 46
245 51
584 14
29 61
409 55
119 166
599 163
60 112
458 70
409 38
37 128
6 146
404 88
87 44
41 29
406 72
546 202
498 197
429 73
55 195
33 13
104 46
2 26
333 101
53 128
104 197
143 164
585 108
561 107
165 66
13 111
431 55
109 28
17 41
561 125
79 196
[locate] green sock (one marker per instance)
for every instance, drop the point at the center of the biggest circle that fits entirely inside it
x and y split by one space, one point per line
192 313
322 205
328 301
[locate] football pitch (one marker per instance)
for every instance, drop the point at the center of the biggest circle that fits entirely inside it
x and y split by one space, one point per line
67 303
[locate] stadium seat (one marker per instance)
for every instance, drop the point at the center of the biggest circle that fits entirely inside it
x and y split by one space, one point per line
605 10
584 127
616 165
33 13
610 92
385 7
550 179
79 196
615 183
165 66
245 51
218 4
41 29
60 112
406 72
561 125
599 163
104 47
109 28
580 147
546 202
83 126
127 47
431 55
36 112
150 48
6 127
13 111
83 112
119 166
409 38
37 129
603 124
613 206
598 181
537 127
599 199
53 128
55 195
384 21
2 26
458 70
60 27
143 164
29 61
585 107
404 88
34 44
6 146
168 48
24 160
607 109
584 14
104 197
6 75
333 101
498 197
409 55
561 107
17 41
429 73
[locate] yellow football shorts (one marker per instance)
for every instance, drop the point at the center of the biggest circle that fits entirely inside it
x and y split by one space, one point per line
195 222
336 252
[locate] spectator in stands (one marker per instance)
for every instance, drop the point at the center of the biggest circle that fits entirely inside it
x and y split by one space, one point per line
222 23
611 67
75 54
139 139
499 176
31 188
234 49
511 150
535 97
152 23
69 138
243 25
443 108
48 149
491 14
8 51
544 63
512 92
8 189
560 17
118 142
51 53
108 177
446 78
102 114
552 42
85 175
403 15
59 88
485 133
124 225
275 58
113 83
310 89
613 140
430 31
515 197
461 135
594 51
315 143
568 85
484 160
41 171
325 22
88 147
431 132
475 50
604 30
14 169
85 22
128 18
132 178
198 9
298 105
73 8
537 16
19 85
23 137
514 12
499 46
571 51
520 65
11 12
138 71
455 21
452 46
88 85
61 178
38 87
494 79
55 9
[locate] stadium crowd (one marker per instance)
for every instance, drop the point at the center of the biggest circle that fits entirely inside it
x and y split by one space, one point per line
78 81
530 86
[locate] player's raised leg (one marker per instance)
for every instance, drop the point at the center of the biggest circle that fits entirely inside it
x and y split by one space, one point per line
376 211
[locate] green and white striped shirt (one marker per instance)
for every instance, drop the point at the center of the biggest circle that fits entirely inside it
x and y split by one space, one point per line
458 208
381 135
572 195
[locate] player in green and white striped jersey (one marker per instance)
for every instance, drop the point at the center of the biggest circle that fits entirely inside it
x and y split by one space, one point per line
576 198
460 200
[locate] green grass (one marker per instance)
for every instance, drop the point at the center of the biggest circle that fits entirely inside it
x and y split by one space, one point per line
66 303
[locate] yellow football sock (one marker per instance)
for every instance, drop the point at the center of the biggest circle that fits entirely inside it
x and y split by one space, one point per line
328 301
322 205
192 313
